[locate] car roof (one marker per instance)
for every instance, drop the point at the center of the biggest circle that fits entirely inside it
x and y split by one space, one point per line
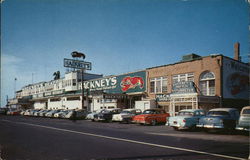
190 110
223 109
246 107
154 109
130 109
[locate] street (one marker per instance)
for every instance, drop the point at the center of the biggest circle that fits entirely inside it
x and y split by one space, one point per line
44 138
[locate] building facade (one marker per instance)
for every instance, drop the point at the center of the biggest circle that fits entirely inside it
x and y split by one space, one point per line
193 83
199 83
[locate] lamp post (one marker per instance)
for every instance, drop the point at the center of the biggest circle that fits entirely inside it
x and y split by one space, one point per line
82 79
15 87
76 54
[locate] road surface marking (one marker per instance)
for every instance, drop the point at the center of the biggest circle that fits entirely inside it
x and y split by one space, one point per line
131 141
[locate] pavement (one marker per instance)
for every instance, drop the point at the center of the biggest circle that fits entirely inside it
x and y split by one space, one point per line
47 138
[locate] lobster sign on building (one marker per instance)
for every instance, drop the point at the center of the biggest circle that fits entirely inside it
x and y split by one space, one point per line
126 83
131 83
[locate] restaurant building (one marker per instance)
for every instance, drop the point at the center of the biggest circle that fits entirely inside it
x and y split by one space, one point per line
120 91
193 83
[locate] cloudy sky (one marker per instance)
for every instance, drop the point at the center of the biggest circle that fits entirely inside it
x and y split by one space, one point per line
117 36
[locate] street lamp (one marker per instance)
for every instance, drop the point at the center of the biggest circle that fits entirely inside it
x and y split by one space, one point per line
15 87
76 54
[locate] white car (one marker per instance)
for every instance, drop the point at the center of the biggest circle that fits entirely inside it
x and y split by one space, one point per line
90 116
61 114
126 115
80 114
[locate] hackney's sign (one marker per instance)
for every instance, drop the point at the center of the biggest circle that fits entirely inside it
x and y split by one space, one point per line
127 83
72 63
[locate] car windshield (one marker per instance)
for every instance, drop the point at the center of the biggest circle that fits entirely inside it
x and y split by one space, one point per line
185 114
218 113
246 111
149 112
105 111
126 112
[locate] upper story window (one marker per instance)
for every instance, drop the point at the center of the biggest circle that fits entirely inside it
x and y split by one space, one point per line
183 77
207 84
158 85
74 82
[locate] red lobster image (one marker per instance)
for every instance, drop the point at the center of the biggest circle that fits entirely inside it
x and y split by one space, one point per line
131 82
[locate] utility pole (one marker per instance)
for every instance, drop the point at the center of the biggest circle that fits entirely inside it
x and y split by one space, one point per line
82 78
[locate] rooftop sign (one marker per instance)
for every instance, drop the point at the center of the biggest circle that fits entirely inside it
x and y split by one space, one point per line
71 63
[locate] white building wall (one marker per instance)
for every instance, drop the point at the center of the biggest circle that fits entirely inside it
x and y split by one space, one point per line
145 104
54 104
73 104
39 105
97 104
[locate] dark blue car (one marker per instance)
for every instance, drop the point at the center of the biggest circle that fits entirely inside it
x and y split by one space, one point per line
219 118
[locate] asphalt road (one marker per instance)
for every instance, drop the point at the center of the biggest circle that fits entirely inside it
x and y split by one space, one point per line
28 138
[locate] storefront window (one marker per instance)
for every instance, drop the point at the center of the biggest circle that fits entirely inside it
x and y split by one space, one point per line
158 85
207 83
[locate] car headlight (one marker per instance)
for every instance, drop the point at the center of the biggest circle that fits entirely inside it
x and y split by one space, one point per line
221 121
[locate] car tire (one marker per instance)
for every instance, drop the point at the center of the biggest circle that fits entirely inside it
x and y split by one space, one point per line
153 122
176 128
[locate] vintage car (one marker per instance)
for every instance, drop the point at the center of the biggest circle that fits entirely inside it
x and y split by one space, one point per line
61 114
126 115
186 119
51 113
151 117
244 120
219 118
80 114
107 114
91 115
13 112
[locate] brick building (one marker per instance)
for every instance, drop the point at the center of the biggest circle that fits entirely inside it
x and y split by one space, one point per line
199 82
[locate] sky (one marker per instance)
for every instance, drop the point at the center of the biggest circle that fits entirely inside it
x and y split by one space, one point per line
117 36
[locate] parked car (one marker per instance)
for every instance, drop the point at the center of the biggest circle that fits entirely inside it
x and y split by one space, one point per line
22 112
61 114
80 114
91 115
151 117
219 118
44 112
27 112
185 119
33 111
126 115
106 115
13 112
52 112
244 120
3 110
38 113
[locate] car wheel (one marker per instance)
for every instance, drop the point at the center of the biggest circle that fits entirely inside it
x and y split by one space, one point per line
176 128
153 122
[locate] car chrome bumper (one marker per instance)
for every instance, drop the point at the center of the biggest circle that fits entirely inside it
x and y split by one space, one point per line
209 126
140 122
243 129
